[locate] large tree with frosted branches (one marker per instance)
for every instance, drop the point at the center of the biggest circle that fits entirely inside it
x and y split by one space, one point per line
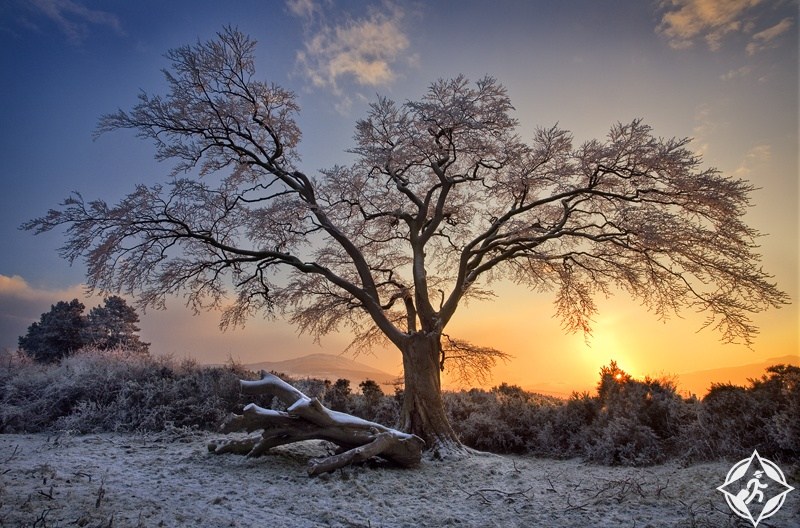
443 199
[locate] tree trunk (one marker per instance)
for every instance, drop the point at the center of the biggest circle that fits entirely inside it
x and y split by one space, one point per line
306 418
423 412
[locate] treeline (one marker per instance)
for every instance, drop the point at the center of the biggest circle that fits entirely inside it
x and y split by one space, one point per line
65 329
627 421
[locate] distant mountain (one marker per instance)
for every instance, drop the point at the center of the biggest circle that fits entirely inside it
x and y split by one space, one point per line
325 366
698 382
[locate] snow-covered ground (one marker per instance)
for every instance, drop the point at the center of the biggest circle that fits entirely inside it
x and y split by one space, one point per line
119 480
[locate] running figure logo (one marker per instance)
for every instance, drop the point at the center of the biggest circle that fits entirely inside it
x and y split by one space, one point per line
755 488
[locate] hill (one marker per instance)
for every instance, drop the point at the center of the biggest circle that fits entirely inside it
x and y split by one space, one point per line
325 366
698 382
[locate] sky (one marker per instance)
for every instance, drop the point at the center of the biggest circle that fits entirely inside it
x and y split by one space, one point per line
724 72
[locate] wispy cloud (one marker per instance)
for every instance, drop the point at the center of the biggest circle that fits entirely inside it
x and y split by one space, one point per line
74 19
757 155
767 38
366 51
744 71
303 8
704 127
21 304
685 22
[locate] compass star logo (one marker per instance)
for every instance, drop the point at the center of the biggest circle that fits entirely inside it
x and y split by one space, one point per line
755 488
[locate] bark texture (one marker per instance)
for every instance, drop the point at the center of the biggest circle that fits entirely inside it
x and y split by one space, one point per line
423 411
305 419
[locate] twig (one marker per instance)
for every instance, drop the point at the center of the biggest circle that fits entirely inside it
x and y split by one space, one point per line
13 454
581 507
41 518
507 494
49 495
82 474
660 489
100 494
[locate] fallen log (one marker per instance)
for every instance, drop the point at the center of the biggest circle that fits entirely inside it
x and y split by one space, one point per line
305 419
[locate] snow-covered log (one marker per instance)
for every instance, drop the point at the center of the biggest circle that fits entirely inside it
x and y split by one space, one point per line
305 419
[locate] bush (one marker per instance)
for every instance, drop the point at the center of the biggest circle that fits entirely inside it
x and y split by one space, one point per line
505 420
627 421
635 422
638 423
762 416
94 391
566 431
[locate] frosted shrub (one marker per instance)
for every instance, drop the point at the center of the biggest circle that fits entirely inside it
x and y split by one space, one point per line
505 420
311 387
778 393
638 422
565 431
728 421
338 396
628 421
784 427
460 405
486 432
623 440
21 408
762 416
100 391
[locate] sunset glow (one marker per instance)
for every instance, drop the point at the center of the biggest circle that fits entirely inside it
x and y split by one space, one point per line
581 64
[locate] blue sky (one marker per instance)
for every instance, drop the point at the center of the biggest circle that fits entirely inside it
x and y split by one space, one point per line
723 72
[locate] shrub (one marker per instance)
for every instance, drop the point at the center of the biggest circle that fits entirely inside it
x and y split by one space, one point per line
113 391
505 420
566 429
338 396
627 421
762 416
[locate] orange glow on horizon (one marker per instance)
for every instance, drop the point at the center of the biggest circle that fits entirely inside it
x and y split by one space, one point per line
546 359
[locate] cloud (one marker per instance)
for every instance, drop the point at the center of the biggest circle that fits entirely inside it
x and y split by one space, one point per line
13 286
365 51
74 19
744 71
703 128
686 20
16 287
302 8
21 304
757 155
766 39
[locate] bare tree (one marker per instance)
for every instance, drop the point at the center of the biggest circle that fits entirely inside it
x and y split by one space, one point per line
443 199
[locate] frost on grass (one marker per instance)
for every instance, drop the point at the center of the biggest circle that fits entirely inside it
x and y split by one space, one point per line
169 480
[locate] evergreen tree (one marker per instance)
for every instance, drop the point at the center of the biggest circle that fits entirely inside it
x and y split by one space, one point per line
65 329
58 333
114 325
